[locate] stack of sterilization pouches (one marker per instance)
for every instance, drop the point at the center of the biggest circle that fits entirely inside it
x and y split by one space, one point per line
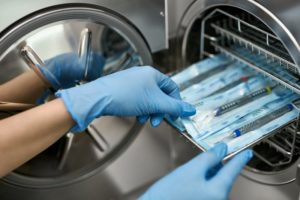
234 103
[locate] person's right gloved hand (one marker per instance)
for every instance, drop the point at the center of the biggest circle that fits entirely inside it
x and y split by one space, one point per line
66 70
202 178
139 91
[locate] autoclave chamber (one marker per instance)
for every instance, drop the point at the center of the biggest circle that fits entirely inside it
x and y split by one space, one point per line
268 31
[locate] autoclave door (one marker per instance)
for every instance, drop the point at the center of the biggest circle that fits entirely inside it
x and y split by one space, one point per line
42 36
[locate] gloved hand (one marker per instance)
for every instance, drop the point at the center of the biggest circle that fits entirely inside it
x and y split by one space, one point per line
65 70
202 178
138 91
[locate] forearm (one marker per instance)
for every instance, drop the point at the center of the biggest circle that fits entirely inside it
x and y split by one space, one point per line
25 88
26 134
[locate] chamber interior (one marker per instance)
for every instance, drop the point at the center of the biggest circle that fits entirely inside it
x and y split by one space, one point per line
244 38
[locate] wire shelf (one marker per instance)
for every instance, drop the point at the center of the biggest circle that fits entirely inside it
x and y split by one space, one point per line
226 34
252 44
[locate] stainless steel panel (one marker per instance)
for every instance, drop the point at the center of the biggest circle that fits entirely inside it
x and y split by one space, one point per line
177 9
147 159
246 189
146 16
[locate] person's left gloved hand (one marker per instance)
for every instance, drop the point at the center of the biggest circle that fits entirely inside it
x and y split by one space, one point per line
66 70
204 177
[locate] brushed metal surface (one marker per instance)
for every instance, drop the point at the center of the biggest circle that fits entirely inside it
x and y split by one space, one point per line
145 15
246 189
147 159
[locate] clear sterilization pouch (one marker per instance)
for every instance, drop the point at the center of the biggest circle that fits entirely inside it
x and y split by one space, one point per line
235 104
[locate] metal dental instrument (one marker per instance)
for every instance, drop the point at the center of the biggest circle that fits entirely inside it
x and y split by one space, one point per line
244 100
204 76
262 121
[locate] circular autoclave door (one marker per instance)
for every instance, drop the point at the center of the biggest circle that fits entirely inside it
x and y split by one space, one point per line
78 31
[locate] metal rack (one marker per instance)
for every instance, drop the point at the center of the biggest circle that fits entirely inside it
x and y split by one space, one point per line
284 144
248 41
233 28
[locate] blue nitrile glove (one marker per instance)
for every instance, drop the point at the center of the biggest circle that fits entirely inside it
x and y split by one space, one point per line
202 178
138 91
65 70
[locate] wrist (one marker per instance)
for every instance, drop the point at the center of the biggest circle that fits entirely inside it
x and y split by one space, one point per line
84 104
64 112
